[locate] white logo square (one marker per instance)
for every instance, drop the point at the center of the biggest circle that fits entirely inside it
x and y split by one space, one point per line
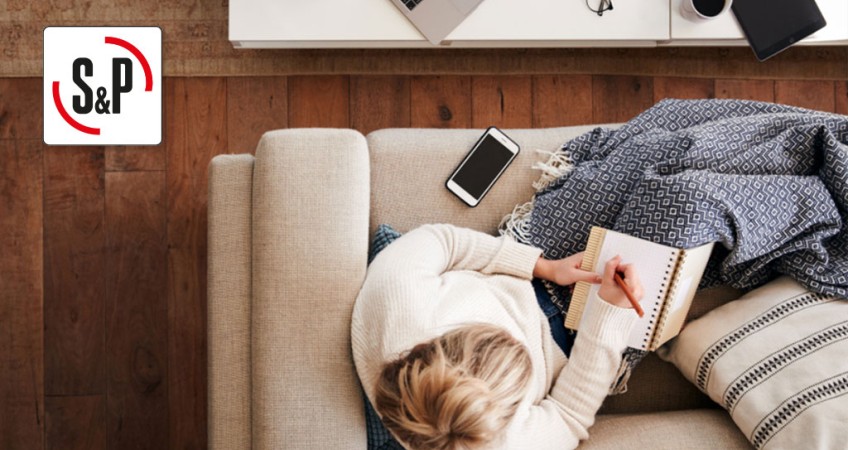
102 85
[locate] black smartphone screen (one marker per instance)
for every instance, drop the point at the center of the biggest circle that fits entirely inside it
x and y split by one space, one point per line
481 168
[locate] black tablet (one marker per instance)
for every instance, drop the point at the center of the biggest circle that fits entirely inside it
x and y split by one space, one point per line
771 26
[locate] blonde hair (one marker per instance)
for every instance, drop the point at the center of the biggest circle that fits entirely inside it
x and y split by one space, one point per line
458 391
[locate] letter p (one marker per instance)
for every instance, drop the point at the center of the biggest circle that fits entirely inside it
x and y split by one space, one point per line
120 84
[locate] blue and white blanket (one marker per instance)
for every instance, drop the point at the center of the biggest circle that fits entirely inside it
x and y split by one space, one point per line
768 182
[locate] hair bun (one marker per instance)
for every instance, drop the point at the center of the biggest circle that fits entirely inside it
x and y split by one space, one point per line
456 392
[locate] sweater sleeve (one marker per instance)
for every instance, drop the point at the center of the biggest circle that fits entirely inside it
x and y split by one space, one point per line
562 419
432 250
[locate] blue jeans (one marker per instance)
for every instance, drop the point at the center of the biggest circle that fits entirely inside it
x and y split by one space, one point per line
563 337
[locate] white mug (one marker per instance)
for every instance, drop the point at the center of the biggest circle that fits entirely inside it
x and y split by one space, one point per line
704 9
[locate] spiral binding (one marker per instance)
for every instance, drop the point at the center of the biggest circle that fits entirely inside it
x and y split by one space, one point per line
670 280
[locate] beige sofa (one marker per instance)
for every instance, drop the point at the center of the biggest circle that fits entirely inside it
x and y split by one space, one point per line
288 237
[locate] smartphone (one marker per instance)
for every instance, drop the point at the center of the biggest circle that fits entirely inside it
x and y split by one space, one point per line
483 165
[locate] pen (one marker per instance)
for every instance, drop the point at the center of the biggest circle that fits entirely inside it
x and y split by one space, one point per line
629 294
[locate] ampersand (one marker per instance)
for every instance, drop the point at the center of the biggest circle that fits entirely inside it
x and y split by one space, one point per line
101 106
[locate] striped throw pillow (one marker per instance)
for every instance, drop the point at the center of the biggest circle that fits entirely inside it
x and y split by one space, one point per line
777 361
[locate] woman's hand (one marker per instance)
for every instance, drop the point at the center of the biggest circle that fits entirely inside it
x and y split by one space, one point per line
611 292
564 272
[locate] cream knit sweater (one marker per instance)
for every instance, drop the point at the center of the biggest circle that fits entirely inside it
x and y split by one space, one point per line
438 277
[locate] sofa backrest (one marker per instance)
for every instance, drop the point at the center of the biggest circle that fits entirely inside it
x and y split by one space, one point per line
409 168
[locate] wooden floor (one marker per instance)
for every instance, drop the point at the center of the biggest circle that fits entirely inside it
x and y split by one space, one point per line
103 249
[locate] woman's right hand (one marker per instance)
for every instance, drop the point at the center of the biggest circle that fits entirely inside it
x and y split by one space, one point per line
611 292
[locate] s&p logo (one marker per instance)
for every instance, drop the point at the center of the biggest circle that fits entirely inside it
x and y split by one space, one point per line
102 85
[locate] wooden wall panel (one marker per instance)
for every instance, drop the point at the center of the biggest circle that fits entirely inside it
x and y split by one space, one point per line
197 132
74 263
75 423
441 101
620 98
762 90
128 159
562 100
379 102
137 413
840 89
677 87
254 105
319 101
20 108
818 95
21 295
502 101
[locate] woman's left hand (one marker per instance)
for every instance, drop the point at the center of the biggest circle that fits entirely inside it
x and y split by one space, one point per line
564 272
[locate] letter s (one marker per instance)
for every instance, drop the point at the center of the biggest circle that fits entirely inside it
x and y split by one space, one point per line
85 106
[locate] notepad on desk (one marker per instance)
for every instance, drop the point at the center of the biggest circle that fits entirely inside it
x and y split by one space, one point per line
669 276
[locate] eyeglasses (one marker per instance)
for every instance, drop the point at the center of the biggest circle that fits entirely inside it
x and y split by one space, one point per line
604 5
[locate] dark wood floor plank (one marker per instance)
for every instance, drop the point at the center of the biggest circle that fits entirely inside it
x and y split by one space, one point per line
75 422
319 101
501 101
74 264
840 89
818 95
620 98
128 159
136 311
441 101
21 295
677 87
254 105
379 102
761 90
562 100
20 108
197 132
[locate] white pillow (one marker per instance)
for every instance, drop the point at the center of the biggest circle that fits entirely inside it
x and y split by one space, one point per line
777 360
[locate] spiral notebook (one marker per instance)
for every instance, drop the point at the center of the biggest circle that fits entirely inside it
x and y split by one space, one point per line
669 276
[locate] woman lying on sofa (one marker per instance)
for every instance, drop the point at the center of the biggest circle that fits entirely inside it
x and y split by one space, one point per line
453 349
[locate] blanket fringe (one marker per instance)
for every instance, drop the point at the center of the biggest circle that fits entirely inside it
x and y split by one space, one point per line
629 359
517 223
558 164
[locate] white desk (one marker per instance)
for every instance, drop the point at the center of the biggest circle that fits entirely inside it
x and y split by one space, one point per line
495 23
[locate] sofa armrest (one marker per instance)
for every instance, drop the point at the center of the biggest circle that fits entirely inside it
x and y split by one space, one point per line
311 199
228 309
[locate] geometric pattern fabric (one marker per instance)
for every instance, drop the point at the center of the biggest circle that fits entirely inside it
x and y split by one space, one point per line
768 182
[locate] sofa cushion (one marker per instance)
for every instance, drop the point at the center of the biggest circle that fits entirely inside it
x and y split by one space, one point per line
409 168
777 360
705 429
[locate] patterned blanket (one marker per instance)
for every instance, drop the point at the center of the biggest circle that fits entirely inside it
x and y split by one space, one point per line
768 182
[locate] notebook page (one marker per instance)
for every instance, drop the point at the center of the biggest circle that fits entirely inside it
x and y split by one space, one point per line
693 262
653 263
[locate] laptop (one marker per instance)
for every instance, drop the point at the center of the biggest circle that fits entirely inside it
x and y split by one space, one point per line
435 19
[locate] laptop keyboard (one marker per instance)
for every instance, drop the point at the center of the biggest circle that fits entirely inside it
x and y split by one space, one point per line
411 4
